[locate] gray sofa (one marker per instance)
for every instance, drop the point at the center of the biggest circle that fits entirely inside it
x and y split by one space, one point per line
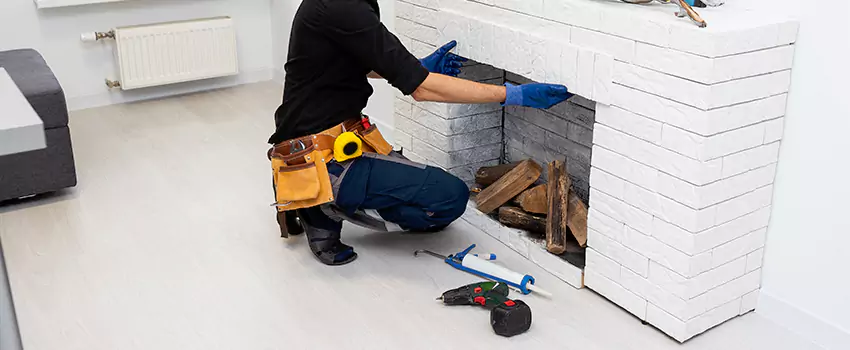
48 169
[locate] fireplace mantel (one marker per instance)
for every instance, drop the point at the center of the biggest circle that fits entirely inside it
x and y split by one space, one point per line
685 142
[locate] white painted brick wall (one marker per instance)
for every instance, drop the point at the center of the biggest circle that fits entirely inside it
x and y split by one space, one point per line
621 211
417 31
655 156
750 159
685 143
630 123
774 130
749 302
416 13
700 95
616 293
603 76
431 4
630 259
698 121
699 197
451 143
737 248
755 259
622 167
695 243
688 288
707 148
621 49
602 265
666 255
605 225
711 71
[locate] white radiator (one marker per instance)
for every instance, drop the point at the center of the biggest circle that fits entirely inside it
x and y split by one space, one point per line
167 53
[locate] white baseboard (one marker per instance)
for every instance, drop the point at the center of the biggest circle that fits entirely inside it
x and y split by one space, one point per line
810 327
117 96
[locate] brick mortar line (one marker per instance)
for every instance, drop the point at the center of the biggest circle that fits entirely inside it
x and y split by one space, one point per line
692 233
691 183
452 135
414 22
555 132
419 6
691 132
416 40
706 311
700 109
699 82
621 286
455 151
689 207
461 149
557 116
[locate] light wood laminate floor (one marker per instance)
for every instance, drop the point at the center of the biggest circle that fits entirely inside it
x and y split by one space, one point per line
168 243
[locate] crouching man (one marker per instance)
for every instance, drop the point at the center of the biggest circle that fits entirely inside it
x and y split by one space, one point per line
330 163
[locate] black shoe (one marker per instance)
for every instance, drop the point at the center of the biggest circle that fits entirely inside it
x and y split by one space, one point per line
325 243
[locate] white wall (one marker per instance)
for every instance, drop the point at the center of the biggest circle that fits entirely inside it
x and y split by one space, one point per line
82 67
380 107
806 283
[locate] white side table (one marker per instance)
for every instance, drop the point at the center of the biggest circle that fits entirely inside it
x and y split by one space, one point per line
21 129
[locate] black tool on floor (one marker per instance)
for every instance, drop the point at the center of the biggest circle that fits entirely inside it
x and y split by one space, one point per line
508 317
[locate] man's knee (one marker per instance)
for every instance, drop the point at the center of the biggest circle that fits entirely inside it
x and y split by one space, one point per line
459 194
455 195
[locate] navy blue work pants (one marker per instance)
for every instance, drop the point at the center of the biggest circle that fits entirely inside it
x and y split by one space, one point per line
413 196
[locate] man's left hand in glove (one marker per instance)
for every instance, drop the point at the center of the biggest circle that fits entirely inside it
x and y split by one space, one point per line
444 62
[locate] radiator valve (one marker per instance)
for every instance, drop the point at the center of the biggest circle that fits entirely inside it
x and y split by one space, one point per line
95 36
113 84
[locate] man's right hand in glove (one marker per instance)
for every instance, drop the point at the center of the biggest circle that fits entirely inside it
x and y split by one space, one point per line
442 88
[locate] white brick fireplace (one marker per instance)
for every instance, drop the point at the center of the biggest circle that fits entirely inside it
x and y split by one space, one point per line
685 142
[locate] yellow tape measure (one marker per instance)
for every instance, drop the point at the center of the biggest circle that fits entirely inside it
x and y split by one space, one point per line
347 146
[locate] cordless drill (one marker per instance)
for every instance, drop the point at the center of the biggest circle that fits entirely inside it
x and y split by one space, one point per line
508 317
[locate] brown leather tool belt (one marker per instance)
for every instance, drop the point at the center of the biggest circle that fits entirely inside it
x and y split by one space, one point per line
299 166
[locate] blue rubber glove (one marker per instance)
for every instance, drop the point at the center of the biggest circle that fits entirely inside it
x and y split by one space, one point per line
535 95
444 62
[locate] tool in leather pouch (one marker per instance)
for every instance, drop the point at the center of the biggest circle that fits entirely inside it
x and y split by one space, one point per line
300 172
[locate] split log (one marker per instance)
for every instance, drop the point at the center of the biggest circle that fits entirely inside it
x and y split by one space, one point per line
515 217
486 176
534 200
577 218
556 223
508 186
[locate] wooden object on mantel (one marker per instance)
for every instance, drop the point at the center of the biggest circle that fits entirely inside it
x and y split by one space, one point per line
556 222
508 186
517 218
577 218
534 200
488 175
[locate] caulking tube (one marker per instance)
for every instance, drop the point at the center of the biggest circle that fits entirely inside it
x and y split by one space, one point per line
524 282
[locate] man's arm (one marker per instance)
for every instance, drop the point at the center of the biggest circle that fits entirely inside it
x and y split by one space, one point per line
443 88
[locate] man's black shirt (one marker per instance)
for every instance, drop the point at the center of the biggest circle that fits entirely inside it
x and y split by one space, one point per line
333 45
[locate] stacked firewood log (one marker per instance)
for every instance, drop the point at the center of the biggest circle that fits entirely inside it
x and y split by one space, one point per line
515 193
